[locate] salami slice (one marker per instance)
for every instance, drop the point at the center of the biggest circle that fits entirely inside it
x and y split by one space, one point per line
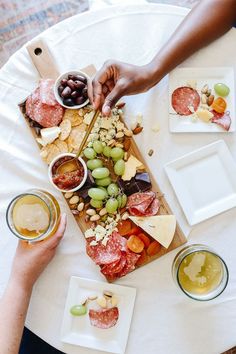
222 119
101 254
153 208
46 92
183 98
115 267
139 202
131 260
104 318
44 114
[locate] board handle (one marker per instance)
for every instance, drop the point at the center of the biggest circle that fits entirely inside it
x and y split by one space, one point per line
42 59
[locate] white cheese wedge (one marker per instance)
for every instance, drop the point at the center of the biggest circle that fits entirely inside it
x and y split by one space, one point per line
204 115
48 135
160 227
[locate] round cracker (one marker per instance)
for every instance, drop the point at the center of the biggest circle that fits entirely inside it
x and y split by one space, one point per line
73 116
65 127
62 145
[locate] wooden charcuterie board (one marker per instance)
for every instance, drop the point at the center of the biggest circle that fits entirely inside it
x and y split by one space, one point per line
179 238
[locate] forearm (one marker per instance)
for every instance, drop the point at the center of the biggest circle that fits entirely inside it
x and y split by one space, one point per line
205 23
13 308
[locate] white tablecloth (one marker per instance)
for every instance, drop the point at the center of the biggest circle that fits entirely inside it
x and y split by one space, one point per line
164 320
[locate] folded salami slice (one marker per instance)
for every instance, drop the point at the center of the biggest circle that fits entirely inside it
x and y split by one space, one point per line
222 119
101 254
153 208
114 267
131 260
184 100
104 318
139 202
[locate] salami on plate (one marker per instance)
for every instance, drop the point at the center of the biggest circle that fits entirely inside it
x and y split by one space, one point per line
104 318
222 119
184 100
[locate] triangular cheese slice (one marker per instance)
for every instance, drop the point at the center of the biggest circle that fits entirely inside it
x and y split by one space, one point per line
160 227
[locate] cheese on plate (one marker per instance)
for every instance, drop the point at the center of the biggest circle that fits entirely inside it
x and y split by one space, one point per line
160 227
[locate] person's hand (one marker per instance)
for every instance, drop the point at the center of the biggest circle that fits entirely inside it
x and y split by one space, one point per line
31 259
116 79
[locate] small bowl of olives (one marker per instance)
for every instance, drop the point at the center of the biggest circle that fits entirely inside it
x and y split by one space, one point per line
71 89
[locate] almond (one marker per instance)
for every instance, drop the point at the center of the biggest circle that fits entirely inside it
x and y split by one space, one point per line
137 130
210 100
126 144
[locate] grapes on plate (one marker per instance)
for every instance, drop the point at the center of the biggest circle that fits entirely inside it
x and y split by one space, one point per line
97 146
113 189
94 163
89 153
111 205
100 172
78 310
97 193
221 89
119 167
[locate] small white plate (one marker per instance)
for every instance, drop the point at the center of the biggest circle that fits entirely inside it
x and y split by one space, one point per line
79 331
204 181
211 76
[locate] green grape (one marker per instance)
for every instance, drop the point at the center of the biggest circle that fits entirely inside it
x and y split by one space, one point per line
94 163
117 153
90 153
107 151
97 146
78 310
96 203
104 190
100 172
221 89
119 200
111 205
123 200
113 189
119 167
97 193
104 182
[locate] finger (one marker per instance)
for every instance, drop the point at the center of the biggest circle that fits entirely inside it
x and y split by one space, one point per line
55 239
90 91
112 98
102 76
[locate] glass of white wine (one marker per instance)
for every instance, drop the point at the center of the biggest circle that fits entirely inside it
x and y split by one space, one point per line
33 215
200 272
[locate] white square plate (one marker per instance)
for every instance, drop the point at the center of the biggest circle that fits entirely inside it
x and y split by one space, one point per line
204 181
79 331
211 76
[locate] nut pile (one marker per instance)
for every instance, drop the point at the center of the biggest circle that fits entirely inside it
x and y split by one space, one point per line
73 90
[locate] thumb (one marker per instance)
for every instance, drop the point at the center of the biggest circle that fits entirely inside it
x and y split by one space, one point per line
112 99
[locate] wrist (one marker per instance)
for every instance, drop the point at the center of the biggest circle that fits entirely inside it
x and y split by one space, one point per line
21 284
155 72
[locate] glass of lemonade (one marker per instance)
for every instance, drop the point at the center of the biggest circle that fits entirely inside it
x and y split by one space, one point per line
200 272
33 215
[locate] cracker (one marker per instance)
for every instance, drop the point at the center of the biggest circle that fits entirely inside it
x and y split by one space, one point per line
62 146
73 116
65 127
52 152
75 138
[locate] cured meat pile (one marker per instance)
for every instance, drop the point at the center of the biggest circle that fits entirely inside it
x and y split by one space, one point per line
114 259
42 107
183 98
222 119
143 204
104 318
